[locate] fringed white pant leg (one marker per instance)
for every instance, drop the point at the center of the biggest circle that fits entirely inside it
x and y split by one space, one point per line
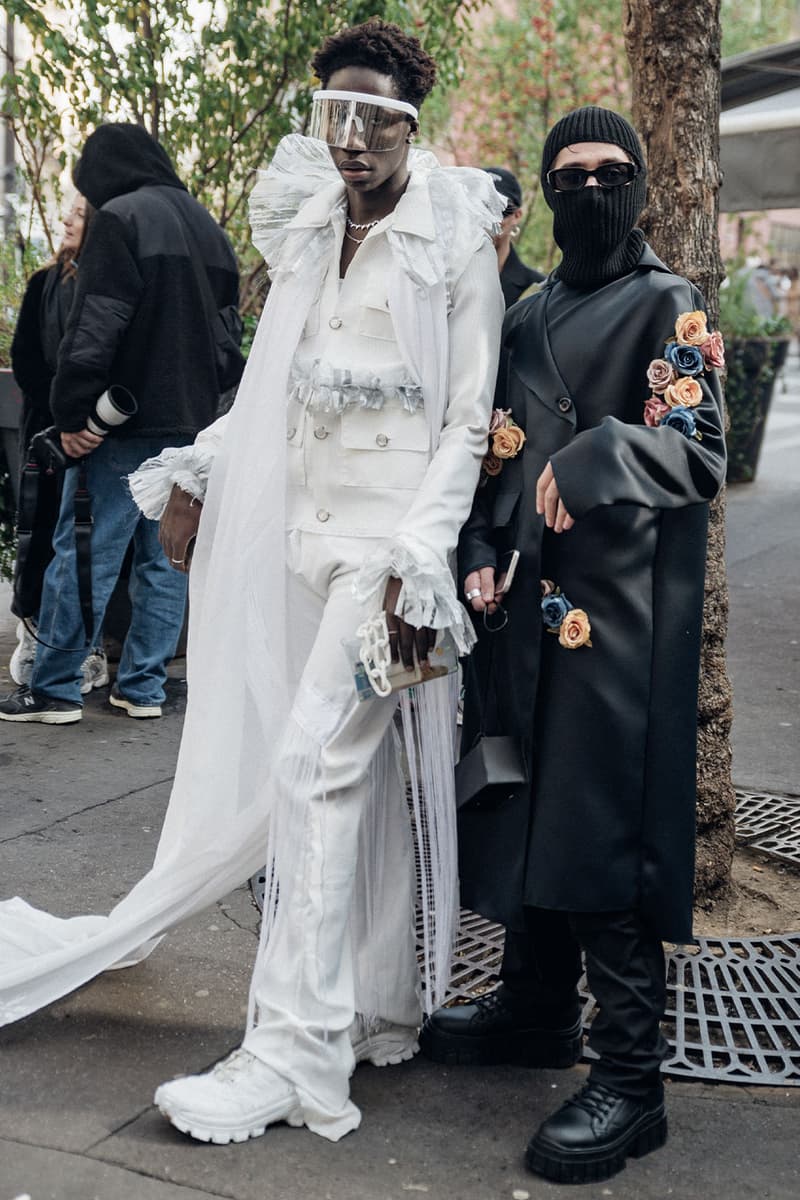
383 917
303 985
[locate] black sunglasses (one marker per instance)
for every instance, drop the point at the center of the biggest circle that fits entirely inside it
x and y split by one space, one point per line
610 175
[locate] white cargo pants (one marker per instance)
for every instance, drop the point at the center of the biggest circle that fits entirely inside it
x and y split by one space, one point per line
351 913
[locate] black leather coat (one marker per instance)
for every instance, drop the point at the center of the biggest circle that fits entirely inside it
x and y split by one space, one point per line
609 731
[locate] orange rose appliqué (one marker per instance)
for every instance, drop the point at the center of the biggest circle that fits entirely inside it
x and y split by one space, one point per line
575 630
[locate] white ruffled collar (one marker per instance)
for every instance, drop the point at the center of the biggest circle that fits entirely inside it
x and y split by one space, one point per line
445 207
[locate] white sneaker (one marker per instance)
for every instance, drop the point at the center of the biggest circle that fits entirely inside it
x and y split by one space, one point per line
382 1043
236 1100
21 666
94 670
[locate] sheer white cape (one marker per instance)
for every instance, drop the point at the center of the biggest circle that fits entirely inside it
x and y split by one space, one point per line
215 829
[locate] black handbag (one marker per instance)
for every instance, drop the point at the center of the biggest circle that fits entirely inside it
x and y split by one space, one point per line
494 766
490 772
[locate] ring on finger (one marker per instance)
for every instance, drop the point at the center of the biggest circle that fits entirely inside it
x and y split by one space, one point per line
472 593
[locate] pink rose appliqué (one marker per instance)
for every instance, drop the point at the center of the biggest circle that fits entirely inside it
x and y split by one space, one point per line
654 411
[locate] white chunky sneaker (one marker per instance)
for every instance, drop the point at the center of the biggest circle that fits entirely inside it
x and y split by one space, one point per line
94 670
21 666
382 1043
236 1100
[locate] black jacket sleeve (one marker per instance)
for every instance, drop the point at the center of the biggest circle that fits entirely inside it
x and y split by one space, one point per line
27 355
108 291
619 463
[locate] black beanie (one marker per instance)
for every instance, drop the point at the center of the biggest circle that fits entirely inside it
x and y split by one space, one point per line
595 227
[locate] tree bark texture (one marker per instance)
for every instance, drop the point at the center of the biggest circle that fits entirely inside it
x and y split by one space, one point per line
674 51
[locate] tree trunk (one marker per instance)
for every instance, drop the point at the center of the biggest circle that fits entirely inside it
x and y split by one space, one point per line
674 51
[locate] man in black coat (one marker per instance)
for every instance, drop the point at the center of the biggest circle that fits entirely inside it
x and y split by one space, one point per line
609 450
154 312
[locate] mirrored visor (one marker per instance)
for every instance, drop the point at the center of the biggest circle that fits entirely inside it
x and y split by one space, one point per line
358 121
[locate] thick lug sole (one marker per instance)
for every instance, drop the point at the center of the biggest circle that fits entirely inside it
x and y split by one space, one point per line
219 1134
46 718
385 1050
524 1048
592 1166
139 711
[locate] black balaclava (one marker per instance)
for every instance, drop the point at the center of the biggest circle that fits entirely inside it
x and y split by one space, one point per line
118 158
595 227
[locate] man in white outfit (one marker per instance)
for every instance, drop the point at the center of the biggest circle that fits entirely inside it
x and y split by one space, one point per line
334 490
389 396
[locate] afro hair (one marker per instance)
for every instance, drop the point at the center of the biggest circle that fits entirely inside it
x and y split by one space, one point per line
384 47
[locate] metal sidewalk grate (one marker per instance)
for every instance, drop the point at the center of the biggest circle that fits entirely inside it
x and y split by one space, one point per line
733 1005
769 823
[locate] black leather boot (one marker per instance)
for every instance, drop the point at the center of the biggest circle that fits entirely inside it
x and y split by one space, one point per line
590 1136
499 1029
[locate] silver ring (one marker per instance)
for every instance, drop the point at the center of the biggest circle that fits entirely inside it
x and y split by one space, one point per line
176 561
472 593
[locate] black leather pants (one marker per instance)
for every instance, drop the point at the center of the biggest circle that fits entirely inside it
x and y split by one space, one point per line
626 973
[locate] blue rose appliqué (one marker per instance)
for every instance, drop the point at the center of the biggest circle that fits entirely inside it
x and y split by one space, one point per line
686 360
682 419
554 609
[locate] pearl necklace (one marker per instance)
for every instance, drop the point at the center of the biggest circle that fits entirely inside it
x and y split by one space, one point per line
355 225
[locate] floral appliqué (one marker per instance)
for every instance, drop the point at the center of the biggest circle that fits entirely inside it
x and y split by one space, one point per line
506 439
571 624
673 378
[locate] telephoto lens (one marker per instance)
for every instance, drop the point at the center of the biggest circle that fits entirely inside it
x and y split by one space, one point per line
116 406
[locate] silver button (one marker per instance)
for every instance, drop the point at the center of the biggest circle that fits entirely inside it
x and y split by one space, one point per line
565 404
290 432
323 514
320 433
382 440
335 322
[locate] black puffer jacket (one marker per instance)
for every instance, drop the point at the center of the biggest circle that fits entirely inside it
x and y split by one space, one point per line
139 317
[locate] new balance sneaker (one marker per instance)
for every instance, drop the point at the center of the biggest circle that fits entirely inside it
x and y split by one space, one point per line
21 666
132 709
25 705
94 670
382 1043
236 1100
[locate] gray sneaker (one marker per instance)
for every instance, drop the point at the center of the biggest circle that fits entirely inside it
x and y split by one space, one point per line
25 705
94 670
21 666
133 709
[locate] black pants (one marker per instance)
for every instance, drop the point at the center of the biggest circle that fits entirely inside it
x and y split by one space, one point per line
626 973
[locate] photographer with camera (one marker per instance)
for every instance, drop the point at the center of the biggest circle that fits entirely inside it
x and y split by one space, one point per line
154 315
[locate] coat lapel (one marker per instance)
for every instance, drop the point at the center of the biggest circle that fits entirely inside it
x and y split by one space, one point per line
532 360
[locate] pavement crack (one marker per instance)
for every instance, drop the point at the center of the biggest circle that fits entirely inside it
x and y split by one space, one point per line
228 916
80 812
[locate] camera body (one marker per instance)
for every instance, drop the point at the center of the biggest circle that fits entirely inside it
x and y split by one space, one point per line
116 406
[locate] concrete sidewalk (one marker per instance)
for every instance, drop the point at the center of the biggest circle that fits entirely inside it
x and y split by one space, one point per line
82 809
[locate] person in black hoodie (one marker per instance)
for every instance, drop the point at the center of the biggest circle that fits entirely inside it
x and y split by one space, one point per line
154 311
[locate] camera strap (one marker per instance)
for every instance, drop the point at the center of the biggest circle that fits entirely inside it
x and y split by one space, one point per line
83 549
32 560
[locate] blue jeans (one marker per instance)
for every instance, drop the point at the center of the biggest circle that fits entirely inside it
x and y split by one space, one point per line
157 590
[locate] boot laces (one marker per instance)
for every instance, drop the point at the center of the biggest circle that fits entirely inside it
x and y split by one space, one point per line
595 1099
490 1005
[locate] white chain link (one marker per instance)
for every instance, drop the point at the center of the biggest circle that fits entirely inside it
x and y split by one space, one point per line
375 653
